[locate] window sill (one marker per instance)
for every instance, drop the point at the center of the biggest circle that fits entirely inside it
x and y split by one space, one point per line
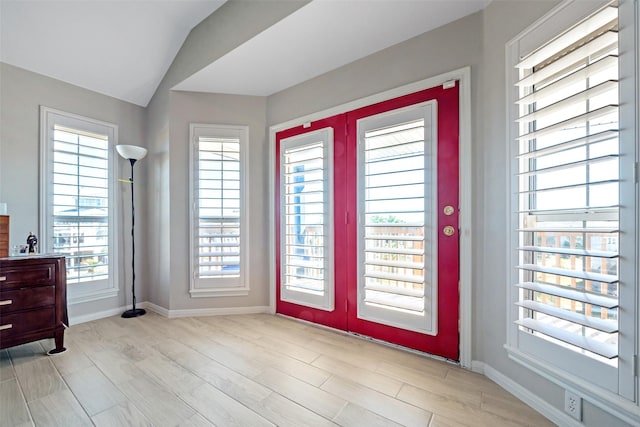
219 292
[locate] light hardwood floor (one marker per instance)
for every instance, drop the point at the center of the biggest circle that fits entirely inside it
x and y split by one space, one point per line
245 370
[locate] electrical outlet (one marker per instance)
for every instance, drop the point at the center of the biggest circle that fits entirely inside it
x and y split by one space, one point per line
573 405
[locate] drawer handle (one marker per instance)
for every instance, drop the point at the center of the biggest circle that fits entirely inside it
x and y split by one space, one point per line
6 302
3 278
3 327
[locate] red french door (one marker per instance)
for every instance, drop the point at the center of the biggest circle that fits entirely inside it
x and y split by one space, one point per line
367 232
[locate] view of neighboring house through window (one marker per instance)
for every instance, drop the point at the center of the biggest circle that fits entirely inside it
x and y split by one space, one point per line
76 192
218 220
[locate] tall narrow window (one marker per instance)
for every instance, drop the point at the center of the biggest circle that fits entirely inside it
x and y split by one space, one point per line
569 221
568 176
77 192
306 201
218 221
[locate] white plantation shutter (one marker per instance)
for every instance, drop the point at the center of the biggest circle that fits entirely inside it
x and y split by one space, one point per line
306 231
568 190
398 275
218 223
77 201
79 228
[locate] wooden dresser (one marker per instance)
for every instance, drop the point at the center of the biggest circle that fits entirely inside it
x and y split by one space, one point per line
33 300
4 236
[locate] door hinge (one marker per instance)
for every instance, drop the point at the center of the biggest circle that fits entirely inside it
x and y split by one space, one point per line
635 172
346 217
635 366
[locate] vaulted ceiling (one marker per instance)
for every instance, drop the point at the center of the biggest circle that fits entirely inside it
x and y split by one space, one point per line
123 48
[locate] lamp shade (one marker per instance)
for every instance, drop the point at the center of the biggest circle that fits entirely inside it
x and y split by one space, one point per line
131 151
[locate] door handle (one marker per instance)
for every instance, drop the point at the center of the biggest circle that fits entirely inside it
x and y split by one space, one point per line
3 327
3 278
6 302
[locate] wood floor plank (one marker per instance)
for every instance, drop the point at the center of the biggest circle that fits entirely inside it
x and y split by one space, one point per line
114 365
440 421
196 421
512 409
221 409
160 406
373 380
286 413
383 405
71 361
453 409
356 416
171 375
26 353
238 386
39 378
14 409
257 397
313 398
94 390
6 368
123 414
437 384
473 381
58 409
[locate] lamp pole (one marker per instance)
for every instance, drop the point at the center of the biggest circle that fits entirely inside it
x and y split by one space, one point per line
133 312
132 153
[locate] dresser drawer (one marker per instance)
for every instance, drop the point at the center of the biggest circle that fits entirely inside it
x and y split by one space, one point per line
26 321
22 299
24 276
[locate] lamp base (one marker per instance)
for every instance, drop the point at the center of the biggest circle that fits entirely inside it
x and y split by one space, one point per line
134 312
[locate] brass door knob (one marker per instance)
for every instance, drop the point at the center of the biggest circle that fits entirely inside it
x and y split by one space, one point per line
448 210
449 230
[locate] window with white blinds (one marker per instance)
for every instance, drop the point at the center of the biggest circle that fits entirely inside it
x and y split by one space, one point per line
306 229
568 190
397 226
218 220
77 198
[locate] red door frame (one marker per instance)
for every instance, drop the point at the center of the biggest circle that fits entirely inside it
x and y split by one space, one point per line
344 316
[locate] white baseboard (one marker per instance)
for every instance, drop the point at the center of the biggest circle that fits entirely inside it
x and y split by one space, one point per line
171 314
75 320
543 407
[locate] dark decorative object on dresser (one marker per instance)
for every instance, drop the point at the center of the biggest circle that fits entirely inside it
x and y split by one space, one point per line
33 300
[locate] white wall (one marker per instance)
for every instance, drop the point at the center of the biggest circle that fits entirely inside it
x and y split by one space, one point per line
21 95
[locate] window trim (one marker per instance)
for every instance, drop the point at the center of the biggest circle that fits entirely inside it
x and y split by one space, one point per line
624 402
88 291
214 287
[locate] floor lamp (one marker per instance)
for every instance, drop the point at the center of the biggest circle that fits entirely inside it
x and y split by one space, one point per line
132 153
